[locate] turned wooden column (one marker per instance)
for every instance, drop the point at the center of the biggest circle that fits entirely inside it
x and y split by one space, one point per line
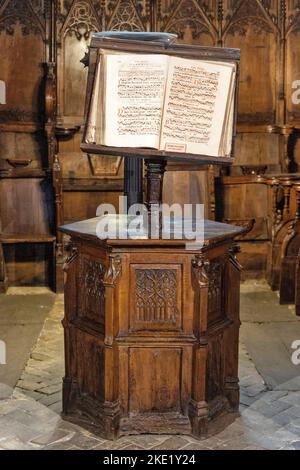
133 176
155 170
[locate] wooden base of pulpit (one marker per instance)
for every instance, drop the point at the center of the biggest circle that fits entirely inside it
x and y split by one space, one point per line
151 332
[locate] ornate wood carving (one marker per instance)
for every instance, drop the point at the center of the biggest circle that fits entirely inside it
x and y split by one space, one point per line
125 15
214 376
18 115
201 267
114 271
73 255
91 290
183 14
257 118
215 301
156 295
25 13
245 13
292 10
82 20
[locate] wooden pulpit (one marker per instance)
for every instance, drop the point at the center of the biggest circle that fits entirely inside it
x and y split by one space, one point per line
152 325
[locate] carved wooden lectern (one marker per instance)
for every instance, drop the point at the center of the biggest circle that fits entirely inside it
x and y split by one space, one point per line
151 326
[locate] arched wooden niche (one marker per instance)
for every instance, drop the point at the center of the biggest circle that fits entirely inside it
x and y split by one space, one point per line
190 21
73 38
250 28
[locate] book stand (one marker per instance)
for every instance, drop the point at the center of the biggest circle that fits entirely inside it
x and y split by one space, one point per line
151 326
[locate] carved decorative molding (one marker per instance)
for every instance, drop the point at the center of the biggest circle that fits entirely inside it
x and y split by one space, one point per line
15 12
114 271
257 118
214 367
245 13
156 295
18 115
93 275
73 255
41 9
82 20
215 274
292 15
91 290
185 14
201 267
126 16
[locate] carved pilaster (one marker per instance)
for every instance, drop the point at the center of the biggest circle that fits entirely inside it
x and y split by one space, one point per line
233 252
74 252
200 267
113 271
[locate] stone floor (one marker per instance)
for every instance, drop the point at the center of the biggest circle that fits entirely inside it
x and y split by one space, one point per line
270 400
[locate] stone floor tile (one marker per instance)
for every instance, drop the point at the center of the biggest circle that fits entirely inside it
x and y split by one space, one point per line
292 397
84 442
283 418
5 392
254 390
270 409
133 447
294 412
146 441
253 429
56 407
113 445
197 446
249 400
58 446
50 390
31 386
15 443
172 443
50 399
296 445
272 396
54 437
253 447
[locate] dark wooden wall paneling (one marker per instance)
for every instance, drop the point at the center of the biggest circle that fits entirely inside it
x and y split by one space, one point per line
32 34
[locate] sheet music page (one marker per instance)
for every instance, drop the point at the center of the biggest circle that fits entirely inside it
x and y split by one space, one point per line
135 89
195 106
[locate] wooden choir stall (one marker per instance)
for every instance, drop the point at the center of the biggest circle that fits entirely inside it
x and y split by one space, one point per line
152 324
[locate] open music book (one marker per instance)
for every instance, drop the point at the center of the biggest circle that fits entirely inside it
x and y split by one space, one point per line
162 102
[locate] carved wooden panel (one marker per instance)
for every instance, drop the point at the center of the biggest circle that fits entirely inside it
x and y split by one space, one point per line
18 198
215 369
91 291
251 28
90 370
292 58
159 389
22 51
156 302
216 306
194 22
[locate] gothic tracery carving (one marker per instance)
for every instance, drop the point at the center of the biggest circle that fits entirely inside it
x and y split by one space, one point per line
156 295
16 12
188 14
243 14
125 16
82 21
